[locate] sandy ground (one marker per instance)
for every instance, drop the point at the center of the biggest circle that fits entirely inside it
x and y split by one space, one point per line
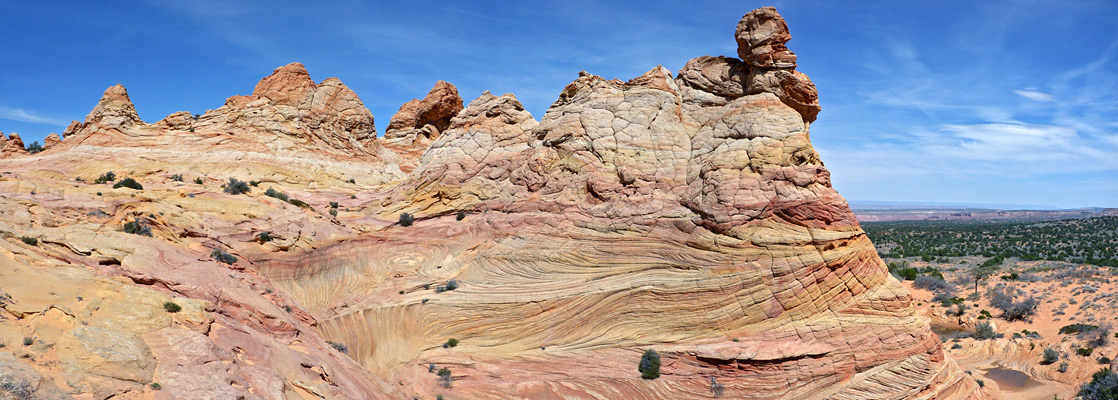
1068 293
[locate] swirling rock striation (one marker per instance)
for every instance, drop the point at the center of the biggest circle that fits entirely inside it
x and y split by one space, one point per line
686 213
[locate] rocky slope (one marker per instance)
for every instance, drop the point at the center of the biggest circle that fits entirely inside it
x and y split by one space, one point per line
687 214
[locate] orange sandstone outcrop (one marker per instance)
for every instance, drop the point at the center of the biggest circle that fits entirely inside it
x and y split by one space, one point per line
11 146
686 213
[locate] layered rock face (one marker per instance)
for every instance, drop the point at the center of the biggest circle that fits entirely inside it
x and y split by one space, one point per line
686 213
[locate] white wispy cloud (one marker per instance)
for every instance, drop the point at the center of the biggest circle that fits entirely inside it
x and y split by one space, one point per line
19 114
1035 95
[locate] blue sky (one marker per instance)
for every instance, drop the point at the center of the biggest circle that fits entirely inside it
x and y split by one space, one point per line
997 102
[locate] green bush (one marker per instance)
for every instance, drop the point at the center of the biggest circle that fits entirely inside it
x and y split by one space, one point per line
128 183
222 257
171 307
138 227
1076 328
984 331
445 379
339 347
649 366
264 237
461 215
1050 356
30 240
450 343
1103 386
333 212
406 219
333 204
1104 360
27 341
105 178
197 181
275 194
300 203
34 147
156 386
176 178
236 186
1084 351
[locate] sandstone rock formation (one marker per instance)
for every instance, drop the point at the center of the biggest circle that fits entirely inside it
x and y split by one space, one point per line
11 146
51 140
687 214
419 122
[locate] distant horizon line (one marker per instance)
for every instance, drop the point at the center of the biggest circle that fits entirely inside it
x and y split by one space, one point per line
863 204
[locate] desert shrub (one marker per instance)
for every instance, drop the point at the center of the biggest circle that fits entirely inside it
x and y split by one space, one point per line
1050 356
1011 309
1084 351
1104 360
17 388
171 307
716 388
649 366
1098 337
34 147
138 227
105 178
339 347
197 181
27 341
156 386
956 346
264 237
176 177
29 240
333 204
907 274
271 192
236 186
351 180
1010 277
299 203
461 215
1103 386
128 183
450 285
406 219
445 379
221 256
1077 328
960 309
981 383
1063 367
933 284
984 331
450 343
254 183
333 212
944 299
